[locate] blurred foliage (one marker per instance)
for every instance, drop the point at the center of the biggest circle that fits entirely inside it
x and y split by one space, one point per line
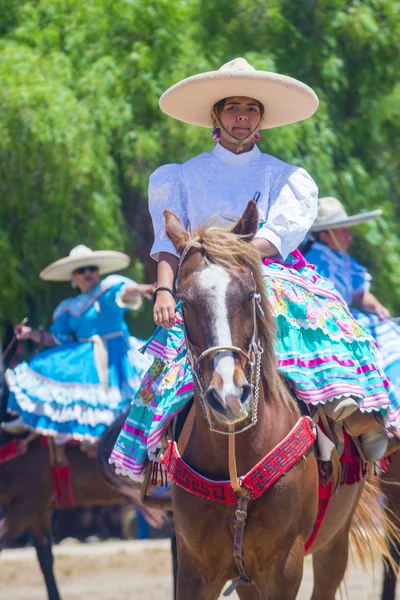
80 127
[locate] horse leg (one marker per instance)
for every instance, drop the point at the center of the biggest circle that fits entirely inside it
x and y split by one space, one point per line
16 519
282 580
40 531
191 582
329 565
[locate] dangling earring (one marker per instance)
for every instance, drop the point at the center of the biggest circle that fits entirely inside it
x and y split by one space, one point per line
256 136
216 134
73 284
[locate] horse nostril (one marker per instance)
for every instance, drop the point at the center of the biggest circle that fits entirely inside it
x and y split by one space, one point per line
214 400
245 395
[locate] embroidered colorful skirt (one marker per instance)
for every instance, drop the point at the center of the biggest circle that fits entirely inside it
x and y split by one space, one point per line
320 348
59 392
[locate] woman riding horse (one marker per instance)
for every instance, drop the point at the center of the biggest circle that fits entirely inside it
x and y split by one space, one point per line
323 353
331 239
76 388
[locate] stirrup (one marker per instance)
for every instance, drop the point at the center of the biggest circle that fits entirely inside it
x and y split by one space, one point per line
374 443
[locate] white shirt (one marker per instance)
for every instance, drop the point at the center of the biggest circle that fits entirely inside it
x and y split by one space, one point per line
218 185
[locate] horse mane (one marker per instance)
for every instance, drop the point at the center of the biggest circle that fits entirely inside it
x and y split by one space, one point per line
231 251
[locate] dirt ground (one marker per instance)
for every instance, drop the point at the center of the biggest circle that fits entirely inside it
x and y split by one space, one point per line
131 570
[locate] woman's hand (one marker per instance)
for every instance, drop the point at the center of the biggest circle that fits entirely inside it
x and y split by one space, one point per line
368 302
146 290
164 309
381 311
23 332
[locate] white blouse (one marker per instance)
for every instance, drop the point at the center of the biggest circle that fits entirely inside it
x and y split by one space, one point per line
217 185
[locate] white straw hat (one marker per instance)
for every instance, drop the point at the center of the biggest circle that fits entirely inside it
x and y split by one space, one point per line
331 215
286 100
107 261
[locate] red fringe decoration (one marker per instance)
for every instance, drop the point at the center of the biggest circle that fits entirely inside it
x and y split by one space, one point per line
61 477
354 468
9 451
159 475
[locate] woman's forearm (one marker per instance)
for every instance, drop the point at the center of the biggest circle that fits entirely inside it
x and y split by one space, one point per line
369 303
265 248
42 337
166 270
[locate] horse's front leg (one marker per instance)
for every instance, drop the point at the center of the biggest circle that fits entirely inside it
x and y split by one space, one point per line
194 581
41 535
280 581
194 585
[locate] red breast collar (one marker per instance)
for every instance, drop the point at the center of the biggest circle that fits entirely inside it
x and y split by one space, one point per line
275 464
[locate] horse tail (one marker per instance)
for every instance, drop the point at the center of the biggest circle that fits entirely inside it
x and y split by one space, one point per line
374 529
127 488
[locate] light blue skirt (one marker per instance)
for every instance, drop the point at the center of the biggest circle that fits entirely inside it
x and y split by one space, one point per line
386 333
60 392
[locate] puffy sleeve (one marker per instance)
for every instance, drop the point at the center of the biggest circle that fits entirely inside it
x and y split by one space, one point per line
166 191
360 278
114 288
61 326
293 205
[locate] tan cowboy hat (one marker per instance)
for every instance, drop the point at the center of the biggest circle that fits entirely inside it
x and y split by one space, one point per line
331 215
285 99
81 256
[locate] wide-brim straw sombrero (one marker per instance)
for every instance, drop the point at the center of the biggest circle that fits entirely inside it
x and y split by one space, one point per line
332 215
107 261
286 100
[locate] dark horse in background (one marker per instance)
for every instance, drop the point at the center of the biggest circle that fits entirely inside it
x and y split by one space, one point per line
27 496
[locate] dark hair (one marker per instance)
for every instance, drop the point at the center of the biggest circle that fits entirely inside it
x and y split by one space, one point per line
218 106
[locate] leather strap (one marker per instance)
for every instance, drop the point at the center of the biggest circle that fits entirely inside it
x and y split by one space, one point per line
186 430
235 483
336 468
239 525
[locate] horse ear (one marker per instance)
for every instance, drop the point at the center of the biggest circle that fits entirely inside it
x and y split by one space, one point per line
248 222
175 231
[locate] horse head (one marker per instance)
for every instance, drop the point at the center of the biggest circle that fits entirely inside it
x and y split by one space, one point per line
220 288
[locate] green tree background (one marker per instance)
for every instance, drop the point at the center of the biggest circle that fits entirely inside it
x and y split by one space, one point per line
80 127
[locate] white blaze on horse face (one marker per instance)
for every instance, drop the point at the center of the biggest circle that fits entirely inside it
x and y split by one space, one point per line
214 281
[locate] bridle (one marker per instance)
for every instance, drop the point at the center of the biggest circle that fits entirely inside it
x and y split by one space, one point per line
252 357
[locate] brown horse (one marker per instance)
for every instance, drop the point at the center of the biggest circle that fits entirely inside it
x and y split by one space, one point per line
27 496
218 280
